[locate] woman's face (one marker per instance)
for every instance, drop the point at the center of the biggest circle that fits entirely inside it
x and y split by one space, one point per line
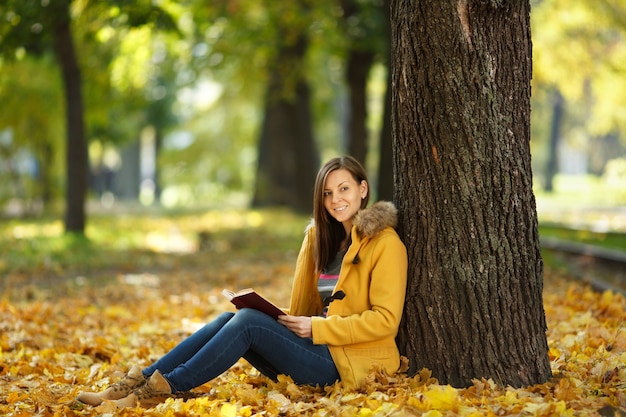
343 195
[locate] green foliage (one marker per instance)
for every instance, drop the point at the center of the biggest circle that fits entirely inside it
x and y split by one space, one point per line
234 45
31 121
198 70
26 29
115 113
581 48
147 65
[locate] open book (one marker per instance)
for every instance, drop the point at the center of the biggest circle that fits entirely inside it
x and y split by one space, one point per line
251 299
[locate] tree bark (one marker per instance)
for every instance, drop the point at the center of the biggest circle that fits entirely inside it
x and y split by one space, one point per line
76 151
461 121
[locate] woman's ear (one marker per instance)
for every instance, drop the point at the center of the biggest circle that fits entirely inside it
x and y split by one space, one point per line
364 189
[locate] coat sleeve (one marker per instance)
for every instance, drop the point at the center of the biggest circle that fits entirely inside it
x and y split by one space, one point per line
305 298
376 312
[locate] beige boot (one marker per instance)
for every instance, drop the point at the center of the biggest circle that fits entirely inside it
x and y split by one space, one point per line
133 380
155 391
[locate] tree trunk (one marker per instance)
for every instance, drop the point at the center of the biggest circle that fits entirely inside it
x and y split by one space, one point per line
461 121
288 158
76 152
359 61
555 135
357 73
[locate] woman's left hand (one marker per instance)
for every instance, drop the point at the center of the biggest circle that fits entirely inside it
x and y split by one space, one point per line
300 325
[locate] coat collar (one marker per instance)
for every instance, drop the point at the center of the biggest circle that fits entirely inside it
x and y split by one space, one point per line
370 221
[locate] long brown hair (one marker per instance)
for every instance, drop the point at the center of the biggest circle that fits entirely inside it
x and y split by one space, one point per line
330 232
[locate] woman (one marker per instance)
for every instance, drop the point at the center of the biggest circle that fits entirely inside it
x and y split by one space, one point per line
346 304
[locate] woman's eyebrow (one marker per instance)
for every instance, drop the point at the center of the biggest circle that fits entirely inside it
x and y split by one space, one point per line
338 185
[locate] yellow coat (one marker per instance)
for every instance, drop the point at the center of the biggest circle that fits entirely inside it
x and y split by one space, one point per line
360 329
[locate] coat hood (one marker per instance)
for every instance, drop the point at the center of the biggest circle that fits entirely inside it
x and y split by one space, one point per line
371 221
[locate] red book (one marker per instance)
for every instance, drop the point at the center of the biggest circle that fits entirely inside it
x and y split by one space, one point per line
248 298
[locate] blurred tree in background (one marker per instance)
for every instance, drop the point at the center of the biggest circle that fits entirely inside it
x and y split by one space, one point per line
178 99
30 141
44 29
287 153
40 29
579 80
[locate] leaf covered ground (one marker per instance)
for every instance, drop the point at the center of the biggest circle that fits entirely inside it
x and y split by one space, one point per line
75 315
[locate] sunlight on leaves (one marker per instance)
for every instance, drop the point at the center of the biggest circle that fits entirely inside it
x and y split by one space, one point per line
60 335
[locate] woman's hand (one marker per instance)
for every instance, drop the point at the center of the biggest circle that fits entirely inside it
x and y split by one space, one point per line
300 325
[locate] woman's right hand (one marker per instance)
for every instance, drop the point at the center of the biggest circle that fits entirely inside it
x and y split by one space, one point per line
300 325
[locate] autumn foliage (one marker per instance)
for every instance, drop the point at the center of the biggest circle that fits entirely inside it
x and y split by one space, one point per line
67 328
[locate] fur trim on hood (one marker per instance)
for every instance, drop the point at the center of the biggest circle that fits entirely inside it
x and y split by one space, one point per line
371 221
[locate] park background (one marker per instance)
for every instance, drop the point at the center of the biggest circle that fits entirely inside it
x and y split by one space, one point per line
175 95
175 98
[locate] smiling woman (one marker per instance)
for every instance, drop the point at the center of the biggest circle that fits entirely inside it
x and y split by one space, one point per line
327 334
343 196
341 185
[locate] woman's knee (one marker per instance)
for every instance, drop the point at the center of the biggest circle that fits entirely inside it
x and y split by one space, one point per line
248 314
216 324
225 316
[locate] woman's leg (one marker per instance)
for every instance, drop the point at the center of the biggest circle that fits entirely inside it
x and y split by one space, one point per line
186 349
261 365
252 331
180 354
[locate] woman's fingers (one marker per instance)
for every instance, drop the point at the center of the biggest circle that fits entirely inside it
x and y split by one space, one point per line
300 325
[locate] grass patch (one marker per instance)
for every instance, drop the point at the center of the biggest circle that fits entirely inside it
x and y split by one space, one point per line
584 191
131 240
609 240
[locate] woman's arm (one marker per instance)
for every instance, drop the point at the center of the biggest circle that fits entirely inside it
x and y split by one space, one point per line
305 299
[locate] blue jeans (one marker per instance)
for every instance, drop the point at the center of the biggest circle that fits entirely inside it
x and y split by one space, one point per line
262 341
